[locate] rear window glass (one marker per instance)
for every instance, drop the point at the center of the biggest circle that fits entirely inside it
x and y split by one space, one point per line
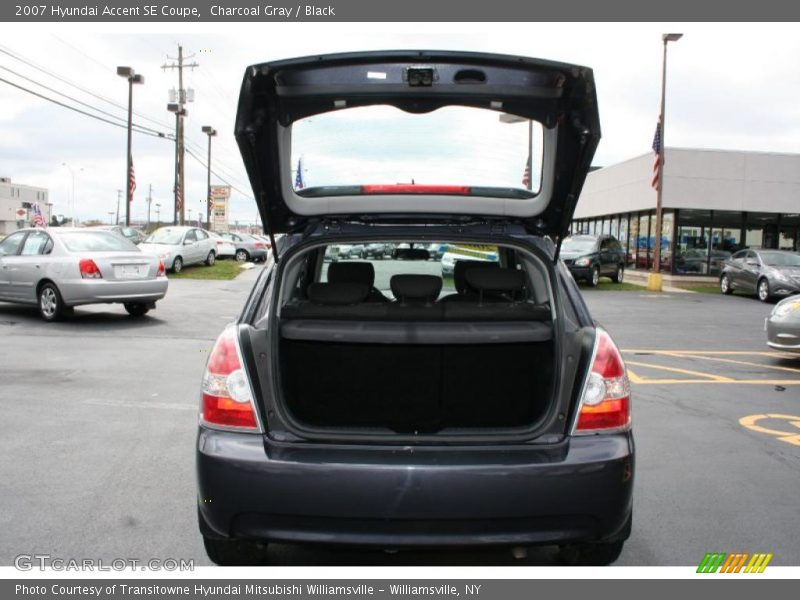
96 241
421 258
348 149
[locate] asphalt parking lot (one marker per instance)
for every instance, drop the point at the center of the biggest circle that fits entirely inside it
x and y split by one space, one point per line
97 456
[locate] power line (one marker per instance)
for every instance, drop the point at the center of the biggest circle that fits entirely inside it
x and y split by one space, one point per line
215 174
94 108
16 56
83 112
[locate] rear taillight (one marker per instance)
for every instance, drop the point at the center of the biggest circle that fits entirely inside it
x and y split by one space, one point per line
606 402
89 269
259 245
227 396
162 270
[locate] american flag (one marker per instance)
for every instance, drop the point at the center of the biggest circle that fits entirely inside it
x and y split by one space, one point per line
657 149
38 218
131 181
178 199
210 201
299 184
526 174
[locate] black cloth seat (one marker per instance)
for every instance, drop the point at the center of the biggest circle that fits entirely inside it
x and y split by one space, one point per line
465 292
415 297
356 272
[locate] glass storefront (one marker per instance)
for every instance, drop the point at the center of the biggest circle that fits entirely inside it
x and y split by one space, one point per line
694 242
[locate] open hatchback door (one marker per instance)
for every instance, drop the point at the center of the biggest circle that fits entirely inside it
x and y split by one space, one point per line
432 135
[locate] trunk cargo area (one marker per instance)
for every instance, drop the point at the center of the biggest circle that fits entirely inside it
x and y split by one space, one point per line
417 387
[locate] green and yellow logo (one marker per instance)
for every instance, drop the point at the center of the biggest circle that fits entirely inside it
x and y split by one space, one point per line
720 562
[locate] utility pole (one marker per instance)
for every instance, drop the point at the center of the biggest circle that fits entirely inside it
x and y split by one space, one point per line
178 107
149 202
119 197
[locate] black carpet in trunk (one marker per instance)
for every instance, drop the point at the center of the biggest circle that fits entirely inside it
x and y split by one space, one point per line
416 388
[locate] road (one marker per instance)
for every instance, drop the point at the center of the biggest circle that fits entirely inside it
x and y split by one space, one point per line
99 417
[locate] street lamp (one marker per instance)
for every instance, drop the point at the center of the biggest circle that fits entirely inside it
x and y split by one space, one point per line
654 279
72 199
111 217
210 132
180 112
158 214
132 78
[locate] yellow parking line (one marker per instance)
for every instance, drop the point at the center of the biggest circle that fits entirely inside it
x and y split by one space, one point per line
709 376
713 352
735 362
646 381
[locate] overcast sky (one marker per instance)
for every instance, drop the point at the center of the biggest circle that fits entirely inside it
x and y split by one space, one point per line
729 86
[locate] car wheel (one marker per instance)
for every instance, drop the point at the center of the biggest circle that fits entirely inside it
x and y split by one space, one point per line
595 277
617 277
211 258
136 309
235 553
242 255
177 265
764 293
592 554
725 285
51 306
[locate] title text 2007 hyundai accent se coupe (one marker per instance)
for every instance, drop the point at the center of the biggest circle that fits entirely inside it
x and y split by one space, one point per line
374 403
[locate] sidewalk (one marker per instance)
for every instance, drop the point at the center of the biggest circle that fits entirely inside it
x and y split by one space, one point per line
635 277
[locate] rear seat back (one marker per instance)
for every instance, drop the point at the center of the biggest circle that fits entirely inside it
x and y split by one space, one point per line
356 272
415 298
499 295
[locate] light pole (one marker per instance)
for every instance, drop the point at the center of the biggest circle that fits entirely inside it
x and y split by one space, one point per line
72 199
132 78
111 217
180 113
158 214
210 132
654 279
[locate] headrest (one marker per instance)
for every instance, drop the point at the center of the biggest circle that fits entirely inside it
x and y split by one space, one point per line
352 272
411 254
337 294
460 272
416 288
496 280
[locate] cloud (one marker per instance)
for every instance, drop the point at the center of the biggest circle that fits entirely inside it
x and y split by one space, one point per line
729 86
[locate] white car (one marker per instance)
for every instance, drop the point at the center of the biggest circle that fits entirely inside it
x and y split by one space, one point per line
225 248
180 246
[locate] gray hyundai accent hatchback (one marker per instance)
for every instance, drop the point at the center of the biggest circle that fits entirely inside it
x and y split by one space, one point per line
373 402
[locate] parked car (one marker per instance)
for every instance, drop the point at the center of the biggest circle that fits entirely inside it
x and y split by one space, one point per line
247 246
589 257
765 273
181 246
499 415
437 251
224 248
377 251
130 233
783 325
60 268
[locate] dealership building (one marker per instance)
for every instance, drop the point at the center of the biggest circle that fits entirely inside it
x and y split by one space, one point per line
715 202
16 205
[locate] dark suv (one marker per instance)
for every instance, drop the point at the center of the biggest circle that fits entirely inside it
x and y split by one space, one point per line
374 403
590 257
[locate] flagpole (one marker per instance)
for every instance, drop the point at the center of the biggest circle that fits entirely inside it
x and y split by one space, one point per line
654 282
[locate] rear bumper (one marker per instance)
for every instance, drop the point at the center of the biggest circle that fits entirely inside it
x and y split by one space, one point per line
425 497
91 291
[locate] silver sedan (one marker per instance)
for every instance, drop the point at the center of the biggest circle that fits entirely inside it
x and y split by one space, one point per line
783 325
59 268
